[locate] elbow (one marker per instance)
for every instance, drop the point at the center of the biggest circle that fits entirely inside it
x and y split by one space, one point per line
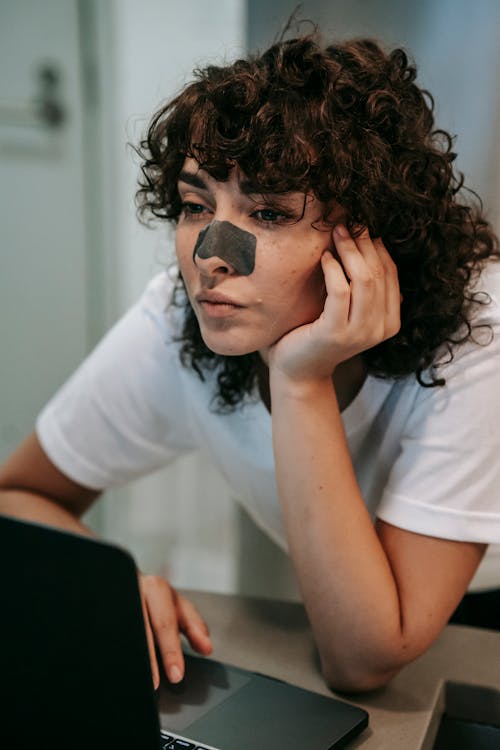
365 665
361 675
357 680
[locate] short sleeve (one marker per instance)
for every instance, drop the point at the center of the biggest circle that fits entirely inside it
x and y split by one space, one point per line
125 411
446 480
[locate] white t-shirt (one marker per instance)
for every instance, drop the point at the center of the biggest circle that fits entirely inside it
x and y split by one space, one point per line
427 459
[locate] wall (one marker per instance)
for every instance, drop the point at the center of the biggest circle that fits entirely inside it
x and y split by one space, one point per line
179 522
43 289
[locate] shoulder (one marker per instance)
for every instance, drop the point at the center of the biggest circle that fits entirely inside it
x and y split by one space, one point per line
163 303
468 404
127 409
481 340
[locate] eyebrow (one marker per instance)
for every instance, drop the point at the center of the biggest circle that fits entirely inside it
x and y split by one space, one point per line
190 178
194 179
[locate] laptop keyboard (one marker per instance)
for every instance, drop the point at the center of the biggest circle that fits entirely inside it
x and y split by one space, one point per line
171 741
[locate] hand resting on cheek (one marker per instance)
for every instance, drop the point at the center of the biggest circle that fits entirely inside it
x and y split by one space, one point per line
362 309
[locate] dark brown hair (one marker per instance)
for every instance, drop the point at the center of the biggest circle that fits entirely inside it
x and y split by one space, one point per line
347 122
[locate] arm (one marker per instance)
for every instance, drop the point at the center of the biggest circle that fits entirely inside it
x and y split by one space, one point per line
32 488
377 597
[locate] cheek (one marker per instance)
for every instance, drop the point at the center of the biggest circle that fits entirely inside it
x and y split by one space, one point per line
306 287
181 241
293 294
184 246
306 276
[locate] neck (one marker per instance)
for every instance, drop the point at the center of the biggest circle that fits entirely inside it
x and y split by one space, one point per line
348 380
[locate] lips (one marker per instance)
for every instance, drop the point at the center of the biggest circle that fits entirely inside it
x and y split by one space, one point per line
216 307
215 298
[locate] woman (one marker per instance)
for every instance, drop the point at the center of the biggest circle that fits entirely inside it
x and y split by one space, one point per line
330 341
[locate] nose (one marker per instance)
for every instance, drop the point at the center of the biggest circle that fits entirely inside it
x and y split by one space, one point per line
212 266
207 260
223 247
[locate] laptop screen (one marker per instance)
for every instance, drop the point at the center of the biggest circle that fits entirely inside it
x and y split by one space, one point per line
74 666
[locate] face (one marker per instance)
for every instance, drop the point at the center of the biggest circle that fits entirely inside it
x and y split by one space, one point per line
250 262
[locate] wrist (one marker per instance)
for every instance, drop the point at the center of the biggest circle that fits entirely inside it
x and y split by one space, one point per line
299 387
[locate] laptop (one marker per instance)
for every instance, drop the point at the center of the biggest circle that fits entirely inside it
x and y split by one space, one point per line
75 673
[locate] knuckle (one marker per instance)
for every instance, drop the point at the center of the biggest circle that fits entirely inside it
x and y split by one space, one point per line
170 654
342 290
190 618
153 583
391 263
165 622
391 269
365 279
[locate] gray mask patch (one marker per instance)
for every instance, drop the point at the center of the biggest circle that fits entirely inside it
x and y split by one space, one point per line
229 243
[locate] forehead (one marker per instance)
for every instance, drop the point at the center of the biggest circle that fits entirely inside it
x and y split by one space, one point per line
194 175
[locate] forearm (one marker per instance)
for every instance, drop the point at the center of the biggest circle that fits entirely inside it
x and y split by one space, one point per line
33 488
348 587
34 507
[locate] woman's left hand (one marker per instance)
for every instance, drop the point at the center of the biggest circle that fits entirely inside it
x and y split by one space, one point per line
362 309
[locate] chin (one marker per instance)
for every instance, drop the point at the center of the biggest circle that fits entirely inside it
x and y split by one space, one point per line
228 346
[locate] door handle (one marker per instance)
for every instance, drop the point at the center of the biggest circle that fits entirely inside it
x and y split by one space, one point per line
44 110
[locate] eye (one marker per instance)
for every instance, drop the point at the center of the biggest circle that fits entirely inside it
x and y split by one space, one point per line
270 216
193 210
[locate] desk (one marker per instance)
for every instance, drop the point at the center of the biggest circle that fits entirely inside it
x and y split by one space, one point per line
275 638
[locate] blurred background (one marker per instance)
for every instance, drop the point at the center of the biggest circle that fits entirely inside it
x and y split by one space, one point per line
79 80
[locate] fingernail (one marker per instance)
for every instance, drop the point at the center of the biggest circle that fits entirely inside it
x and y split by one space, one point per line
341 230
174 674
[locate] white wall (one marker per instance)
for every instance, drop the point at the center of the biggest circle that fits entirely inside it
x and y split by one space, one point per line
179 522
157 43
42 224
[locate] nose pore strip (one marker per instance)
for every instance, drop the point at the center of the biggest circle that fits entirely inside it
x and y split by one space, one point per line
231 244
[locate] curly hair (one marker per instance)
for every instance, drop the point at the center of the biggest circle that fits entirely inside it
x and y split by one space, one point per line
348 123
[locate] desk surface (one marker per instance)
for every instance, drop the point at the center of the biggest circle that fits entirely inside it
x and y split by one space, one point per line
275 638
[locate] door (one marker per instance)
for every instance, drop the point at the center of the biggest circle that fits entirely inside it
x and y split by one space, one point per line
43 316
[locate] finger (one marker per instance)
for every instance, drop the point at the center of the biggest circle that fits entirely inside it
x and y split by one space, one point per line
356 254
162 614
367 287
193 625
387 299
371 249
392 290
155 671
347 250
338 292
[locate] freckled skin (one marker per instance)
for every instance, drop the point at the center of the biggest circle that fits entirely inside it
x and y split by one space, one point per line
286 286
